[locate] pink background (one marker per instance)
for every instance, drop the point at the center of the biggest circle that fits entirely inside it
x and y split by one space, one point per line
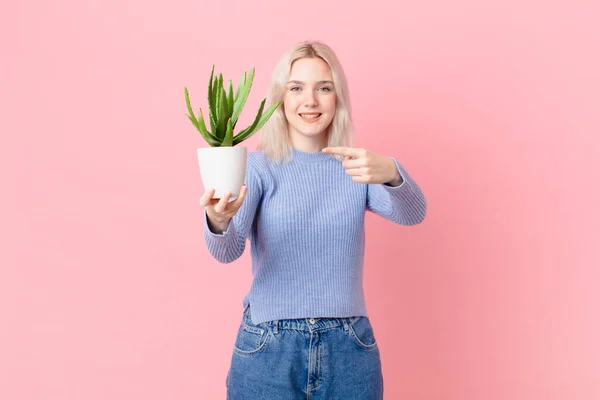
107 290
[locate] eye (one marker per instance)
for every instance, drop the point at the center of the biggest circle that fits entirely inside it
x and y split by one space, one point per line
326 88
293 89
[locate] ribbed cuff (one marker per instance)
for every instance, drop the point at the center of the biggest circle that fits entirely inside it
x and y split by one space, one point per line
405 185
222 246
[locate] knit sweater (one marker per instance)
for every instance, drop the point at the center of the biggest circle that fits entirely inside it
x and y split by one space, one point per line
305 223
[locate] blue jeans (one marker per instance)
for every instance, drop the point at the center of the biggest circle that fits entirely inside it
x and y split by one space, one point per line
313 358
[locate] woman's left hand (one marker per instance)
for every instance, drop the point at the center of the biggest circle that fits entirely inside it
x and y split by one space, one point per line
367 167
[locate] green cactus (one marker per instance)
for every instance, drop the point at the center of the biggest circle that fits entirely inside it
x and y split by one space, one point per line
224 109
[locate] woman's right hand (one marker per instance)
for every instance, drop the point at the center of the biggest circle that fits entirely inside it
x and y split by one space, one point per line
220 211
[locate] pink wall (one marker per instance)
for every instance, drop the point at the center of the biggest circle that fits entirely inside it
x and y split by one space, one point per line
107 290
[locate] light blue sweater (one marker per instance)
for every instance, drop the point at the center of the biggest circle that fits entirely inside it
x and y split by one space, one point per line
305 222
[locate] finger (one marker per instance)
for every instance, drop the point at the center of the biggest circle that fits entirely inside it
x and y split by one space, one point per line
350 163
220 207
205 199
240 199
355 171
342 151
359 179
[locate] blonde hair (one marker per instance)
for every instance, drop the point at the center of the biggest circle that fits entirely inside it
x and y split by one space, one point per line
274 138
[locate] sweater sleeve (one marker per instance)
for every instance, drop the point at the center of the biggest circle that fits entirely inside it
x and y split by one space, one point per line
404 204
229 246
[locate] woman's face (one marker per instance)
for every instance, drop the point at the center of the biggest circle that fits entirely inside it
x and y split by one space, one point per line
309 101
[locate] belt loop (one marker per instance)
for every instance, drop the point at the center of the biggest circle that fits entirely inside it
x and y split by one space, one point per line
345 321
275 327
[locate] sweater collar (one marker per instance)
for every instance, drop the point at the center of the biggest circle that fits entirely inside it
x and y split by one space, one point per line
310 157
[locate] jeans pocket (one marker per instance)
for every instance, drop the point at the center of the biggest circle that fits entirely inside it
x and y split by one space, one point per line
362 332
250 338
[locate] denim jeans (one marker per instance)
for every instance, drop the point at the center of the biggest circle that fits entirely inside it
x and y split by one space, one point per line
313 358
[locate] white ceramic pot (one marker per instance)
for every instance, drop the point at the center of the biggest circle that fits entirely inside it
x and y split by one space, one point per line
223 169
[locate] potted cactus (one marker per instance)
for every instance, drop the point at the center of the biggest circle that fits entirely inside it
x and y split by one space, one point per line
222 165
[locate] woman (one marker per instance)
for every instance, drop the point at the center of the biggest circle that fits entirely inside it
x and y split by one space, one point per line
305 332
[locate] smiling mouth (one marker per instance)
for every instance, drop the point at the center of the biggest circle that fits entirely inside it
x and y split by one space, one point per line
310 117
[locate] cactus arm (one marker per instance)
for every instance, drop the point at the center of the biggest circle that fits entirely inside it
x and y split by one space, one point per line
239 87
223 117
212 109
209 137
189 107
228 140
243 96
230 100
263 119
199 122
256 119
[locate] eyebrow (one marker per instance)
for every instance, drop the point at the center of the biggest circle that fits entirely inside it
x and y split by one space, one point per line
302 83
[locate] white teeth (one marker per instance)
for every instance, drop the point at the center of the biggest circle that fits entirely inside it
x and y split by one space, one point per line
313 116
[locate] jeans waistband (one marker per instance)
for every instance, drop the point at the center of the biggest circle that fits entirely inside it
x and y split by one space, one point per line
306 324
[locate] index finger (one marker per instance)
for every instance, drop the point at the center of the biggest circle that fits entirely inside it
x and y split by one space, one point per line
342 151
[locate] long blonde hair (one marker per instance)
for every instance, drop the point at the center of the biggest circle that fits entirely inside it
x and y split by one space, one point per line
274 137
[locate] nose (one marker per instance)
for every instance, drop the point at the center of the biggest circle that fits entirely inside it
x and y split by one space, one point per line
311 99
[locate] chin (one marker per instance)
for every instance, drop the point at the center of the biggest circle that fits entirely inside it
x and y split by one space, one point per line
312 134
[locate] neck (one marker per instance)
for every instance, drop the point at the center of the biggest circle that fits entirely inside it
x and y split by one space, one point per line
309 144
